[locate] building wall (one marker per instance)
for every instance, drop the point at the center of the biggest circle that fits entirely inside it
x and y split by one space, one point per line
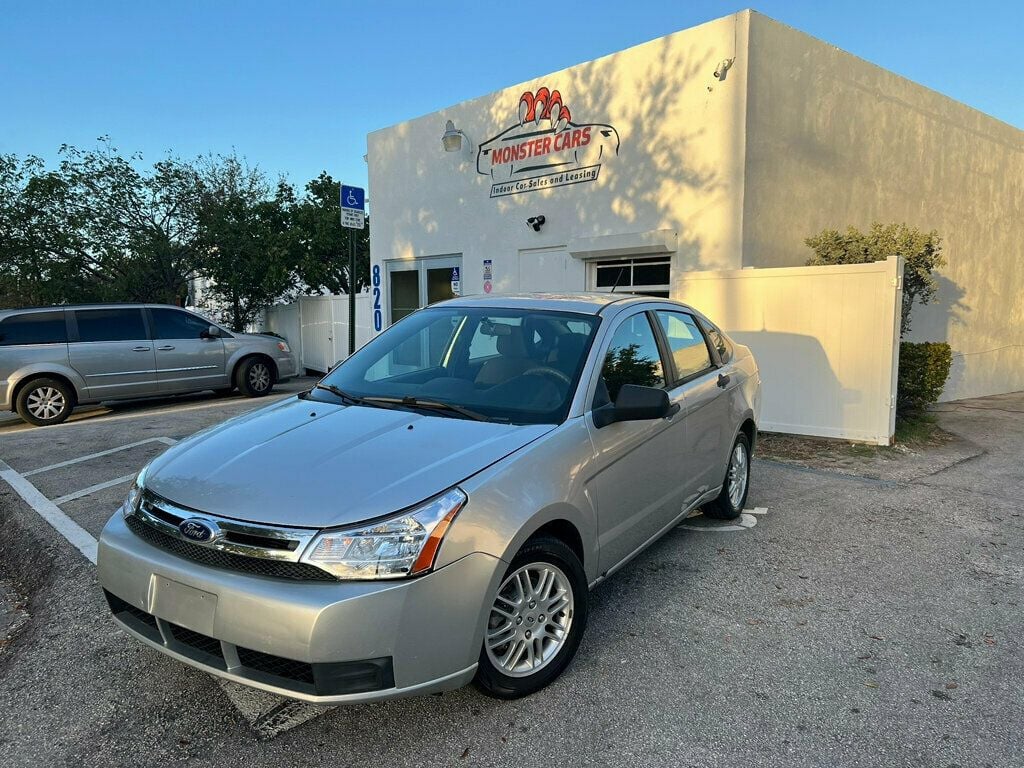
677 176
834 141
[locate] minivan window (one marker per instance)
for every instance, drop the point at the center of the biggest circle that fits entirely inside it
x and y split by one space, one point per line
686 342
484 360
175 324
110 324
33 328
632 358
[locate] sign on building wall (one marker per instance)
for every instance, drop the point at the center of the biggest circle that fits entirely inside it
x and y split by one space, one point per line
545 148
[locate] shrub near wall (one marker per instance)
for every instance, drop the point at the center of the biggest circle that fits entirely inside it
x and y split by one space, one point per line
924 368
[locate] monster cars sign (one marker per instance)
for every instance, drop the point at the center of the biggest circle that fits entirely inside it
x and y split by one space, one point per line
544 148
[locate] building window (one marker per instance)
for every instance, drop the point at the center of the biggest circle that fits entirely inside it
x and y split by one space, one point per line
649 277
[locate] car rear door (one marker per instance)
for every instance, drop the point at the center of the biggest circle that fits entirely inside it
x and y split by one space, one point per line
702 386
187 359
111 349
636 484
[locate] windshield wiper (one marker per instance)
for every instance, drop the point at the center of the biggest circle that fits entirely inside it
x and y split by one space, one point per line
352 399
434 405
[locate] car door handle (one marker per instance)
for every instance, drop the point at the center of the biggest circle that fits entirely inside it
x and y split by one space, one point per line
723 380
140 349
168 348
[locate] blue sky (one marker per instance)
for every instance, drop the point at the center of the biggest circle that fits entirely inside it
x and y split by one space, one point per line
295 86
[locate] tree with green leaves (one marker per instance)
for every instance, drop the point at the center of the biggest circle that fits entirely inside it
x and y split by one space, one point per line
921 251
95 229
249 248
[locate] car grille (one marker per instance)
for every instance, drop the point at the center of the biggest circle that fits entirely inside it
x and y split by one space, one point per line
215 558
321 679
276 665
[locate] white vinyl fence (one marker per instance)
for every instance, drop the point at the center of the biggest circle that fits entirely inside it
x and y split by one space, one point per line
316 328
826 340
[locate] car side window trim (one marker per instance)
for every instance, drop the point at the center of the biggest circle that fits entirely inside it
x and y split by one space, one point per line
663 344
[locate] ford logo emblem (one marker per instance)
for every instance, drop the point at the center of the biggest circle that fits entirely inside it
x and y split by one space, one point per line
198 530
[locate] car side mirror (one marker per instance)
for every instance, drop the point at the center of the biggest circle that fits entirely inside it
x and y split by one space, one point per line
636 403
213 332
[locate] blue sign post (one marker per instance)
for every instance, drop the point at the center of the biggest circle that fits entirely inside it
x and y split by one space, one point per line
353 217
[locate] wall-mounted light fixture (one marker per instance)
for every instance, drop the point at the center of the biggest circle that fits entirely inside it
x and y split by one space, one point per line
452 138
536 222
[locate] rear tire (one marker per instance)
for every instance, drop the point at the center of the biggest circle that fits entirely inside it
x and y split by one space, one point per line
730 502
254 377
45 401
527 645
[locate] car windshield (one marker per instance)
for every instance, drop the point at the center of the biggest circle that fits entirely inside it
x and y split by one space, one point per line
509 365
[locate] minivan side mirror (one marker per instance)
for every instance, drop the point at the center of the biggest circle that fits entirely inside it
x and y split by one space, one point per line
636 403
213 332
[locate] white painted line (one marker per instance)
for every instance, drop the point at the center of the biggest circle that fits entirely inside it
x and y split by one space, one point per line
92 489
50 512
69 462
746 520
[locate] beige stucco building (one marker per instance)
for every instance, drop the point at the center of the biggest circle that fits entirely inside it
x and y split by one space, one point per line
716 148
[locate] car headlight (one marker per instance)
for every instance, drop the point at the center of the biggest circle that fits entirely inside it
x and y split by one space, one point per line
283 346
133 500
405 545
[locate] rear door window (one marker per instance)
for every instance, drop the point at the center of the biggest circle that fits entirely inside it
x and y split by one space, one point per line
175 324
110 324
33 328
686 342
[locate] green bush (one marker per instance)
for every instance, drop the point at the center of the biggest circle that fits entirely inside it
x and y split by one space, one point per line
924 368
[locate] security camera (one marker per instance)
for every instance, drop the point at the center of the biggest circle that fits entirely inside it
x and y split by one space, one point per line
722 68
536 222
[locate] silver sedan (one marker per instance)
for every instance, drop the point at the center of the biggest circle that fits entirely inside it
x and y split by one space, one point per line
435 510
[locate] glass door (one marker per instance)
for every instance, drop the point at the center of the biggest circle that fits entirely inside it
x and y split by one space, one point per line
419 282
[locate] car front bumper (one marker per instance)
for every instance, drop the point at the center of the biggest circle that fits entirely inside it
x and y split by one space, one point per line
286 366
322 642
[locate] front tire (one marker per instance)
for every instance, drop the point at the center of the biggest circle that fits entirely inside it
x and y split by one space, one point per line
45 401
536 620
254 377
730 502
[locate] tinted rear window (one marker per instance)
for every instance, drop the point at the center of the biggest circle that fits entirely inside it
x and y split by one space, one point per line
33 328
110 324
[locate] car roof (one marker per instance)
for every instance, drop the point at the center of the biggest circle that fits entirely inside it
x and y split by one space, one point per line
107 305
581 303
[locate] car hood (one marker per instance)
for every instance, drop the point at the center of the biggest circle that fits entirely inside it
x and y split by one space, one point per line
312 464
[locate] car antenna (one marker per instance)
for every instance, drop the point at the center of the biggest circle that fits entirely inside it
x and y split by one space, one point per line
617 278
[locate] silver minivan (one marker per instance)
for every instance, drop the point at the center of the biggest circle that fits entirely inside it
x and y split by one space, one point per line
436 508
52 359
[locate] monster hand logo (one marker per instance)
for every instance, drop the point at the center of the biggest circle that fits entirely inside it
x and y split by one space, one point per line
545 148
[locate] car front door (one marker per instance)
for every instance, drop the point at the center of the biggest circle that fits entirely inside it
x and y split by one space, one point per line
635 485
112 351
187 359
702 385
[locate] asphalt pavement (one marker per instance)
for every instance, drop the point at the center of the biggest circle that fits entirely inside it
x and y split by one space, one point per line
854 622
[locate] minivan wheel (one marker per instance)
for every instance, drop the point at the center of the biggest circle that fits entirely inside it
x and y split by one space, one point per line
536 620
45 401
730 502
254 377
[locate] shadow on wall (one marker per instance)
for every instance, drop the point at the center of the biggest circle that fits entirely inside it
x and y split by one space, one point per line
816 402
949 304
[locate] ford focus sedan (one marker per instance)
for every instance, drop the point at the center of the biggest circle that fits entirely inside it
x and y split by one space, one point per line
435 509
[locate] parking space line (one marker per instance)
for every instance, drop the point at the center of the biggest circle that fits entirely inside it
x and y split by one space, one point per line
69 462
50 512
92 488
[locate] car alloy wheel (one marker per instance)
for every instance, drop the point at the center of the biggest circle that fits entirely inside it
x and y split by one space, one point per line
259 377
738 474
530 619
46 403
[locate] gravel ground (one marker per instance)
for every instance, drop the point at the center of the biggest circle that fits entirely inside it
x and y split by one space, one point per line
863 621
